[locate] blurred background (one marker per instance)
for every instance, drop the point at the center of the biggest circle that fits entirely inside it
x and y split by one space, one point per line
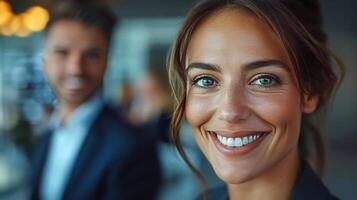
136 80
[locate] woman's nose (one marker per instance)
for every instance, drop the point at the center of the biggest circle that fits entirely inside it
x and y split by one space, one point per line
233 106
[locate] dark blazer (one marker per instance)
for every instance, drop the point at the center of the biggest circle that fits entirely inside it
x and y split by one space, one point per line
308 187
114 162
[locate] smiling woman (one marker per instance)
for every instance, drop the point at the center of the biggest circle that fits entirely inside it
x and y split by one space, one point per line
250 77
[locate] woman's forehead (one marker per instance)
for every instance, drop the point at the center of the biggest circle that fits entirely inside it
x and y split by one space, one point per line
234 35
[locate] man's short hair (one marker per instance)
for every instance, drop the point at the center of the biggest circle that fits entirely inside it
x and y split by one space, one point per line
88 13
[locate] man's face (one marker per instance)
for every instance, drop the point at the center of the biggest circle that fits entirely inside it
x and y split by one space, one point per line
75 60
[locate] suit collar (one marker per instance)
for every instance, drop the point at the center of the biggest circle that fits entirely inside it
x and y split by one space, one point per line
83 114
309 186
38 160
86 153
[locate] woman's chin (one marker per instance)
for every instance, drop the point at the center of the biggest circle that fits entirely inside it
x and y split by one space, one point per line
234 176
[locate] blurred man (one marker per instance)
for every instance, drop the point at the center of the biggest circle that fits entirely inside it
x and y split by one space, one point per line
88 152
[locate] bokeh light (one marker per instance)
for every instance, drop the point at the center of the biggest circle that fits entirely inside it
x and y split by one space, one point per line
34 19
14 24
5 6
5 12
23 31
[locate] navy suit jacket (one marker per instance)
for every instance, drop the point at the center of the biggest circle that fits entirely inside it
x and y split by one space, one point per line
114 162
308 187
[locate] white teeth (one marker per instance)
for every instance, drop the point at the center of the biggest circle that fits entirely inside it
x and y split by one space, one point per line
237 141
245 140
230 142
224 140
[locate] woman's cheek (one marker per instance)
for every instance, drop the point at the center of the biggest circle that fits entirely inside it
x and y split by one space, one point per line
198 109
281 111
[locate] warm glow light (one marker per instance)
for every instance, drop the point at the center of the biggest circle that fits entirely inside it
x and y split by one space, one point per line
4 6
5 12
5 30
36 18
4 17
14 24
23 31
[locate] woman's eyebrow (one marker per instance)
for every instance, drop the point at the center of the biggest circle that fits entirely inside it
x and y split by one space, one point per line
245 67
264 63
205 66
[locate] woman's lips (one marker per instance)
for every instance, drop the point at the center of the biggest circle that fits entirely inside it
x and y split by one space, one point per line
233 145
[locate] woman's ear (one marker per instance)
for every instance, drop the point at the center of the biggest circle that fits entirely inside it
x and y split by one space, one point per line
310 103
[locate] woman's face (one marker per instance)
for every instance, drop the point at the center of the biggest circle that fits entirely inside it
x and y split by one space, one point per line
242 98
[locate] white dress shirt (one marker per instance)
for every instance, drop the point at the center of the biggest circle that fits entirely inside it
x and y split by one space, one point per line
65 145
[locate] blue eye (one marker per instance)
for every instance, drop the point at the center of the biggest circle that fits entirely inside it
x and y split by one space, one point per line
265 81
204 82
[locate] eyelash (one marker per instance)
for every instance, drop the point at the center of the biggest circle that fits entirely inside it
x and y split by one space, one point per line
275 80
195 81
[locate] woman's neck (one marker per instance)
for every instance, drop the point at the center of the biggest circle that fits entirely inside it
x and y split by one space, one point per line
276 183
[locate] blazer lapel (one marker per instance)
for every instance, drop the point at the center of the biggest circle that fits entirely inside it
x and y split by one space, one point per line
83 159
38 162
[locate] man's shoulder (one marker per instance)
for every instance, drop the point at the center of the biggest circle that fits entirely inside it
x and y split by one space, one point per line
109 119
114 129
117 139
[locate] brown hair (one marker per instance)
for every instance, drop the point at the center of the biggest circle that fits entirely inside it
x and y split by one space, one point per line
88 13
298 25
